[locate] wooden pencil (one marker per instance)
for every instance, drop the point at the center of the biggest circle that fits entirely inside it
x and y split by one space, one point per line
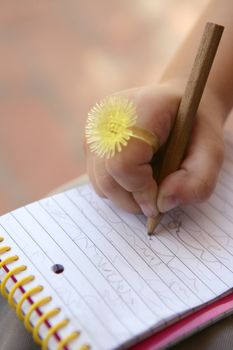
185 118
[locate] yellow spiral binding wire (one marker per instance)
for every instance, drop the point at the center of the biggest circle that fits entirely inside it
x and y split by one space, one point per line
25 296
4 249
12 272
35 305
85 347
68 340
8 260
52 331
32 308
18 284
41 320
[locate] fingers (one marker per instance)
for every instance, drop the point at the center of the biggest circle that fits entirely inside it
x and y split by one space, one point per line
106 186
127 178
132 171
127 182
112 189
196 179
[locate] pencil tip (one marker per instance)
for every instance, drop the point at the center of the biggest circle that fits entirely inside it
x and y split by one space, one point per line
152 223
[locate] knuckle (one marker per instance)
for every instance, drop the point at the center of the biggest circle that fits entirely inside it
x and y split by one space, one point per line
107 184
202 190
117 167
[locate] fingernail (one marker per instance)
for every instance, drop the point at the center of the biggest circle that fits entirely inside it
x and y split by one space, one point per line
167 203
149 210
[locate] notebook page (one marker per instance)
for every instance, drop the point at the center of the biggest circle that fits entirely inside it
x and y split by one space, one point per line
118 285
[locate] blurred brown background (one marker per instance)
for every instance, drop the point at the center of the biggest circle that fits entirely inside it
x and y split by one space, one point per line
58 57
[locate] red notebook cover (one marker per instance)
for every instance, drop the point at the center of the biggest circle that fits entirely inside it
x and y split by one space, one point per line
188 325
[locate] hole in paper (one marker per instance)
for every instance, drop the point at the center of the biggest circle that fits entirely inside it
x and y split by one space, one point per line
58 268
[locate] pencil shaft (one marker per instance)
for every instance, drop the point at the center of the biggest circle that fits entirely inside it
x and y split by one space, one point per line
185 118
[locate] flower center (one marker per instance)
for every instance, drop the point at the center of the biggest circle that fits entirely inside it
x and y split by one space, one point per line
114 127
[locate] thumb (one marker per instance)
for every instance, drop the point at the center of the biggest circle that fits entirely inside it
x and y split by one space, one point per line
195 180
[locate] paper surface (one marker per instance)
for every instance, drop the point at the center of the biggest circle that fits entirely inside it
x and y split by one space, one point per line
118 285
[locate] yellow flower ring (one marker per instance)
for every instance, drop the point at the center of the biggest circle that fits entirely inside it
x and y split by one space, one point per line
110 125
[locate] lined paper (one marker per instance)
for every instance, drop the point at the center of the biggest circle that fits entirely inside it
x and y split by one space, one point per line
118 285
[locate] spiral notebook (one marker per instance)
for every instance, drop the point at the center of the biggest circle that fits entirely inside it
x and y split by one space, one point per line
82 274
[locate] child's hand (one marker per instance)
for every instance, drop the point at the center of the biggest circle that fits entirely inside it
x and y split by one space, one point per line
127 178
